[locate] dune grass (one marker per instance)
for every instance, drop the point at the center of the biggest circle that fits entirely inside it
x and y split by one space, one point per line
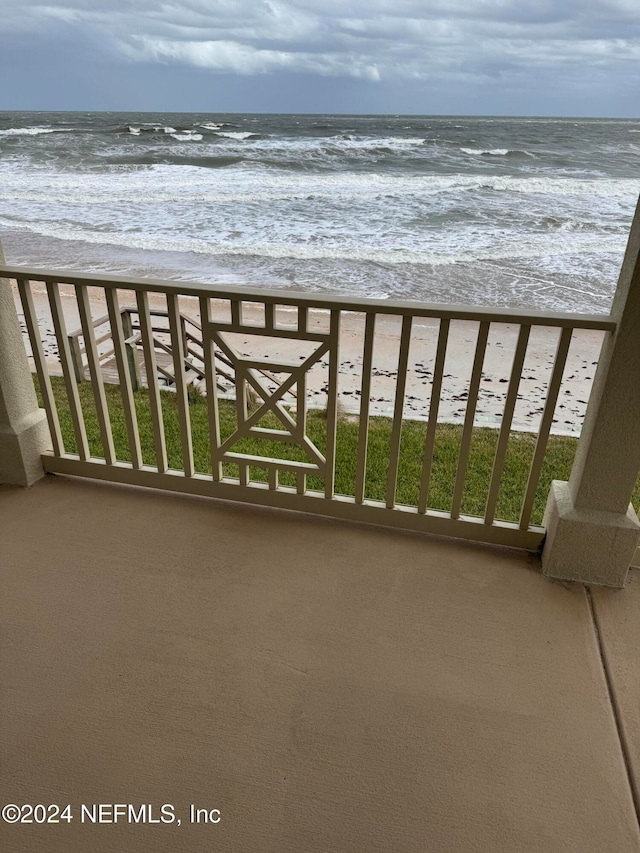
557 463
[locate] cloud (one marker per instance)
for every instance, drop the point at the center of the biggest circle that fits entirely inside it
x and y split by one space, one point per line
538 46
230 56
368 39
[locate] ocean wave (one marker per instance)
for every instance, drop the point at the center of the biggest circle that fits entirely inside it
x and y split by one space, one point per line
459 251
377 142
187 136
158 158
170 178
31 131
348 140
136 130
497 152
607 188
215 126
389 205
240 135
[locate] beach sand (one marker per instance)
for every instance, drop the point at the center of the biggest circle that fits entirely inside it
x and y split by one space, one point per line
570 409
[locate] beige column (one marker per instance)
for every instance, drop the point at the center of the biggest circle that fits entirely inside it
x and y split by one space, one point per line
24 433
592 530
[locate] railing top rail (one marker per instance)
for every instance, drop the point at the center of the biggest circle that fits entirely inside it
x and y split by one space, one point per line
602 322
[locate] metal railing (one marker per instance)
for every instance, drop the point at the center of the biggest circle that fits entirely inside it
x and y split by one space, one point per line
222 315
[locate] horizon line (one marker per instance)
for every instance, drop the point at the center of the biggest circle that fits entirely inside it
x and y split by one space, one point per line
339 113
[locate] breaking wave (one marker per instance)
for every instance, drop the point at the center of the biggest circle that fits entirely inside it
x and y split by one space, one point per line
31 131
497 152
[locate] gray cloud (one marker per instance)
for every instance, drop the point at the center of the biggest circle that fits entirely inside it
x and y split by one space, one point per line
384 42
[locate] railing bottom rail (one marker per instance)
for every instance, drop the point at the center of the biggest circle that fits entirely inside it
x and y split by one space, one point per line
341 506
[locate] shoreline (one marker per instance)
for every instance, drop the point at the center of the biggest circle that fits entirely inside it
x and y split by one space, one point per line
521 284
571 405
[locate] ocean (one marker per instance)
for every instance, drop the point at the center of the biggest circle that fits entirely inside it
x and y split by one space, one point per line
512 212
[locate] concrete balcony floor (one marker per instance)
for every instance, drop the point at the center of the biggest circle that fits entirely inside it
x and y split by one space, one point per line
328 687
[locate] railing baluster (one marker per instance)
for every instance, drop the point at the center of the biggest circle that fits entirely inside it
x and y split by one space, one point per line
332 403
434 405
396 431
242 407
31 319
177 345
124 372
59 325
301 482
155 403
269 316
236 312
273 478
365 395
301 404
467 430
212 388
243 473
545 426
507 418
303 319
95 372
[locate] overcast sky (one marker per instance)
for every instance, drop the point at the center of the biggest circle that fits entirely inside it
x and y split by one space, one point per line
497 57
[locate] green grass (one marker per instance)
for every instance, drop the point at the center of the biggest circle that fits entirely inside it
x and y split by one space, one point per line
557 463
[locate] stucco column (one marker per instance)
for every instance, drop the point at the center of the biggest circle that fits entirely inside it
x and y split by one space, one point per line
24 433
592 530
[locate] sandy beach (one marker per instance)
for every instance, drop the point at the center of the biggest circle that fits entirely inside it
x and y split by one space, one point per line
570 409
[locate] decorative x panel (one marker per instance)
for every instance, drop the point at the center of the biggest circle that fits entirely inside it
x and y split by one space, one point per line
260 375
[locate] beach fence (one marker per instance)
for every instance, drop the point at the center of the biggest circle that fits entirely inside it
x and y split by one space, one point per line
371 410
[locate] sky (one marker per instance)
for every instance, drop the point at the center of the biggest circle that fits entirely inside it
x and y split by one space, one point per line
452 57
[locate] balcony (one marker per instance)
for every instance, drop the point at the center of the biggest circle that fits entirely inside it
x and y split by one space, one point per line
190 621
326 686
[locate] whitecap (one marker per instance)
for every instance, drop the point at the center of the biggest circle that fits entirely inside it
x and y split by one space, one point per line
379 142
401 140
236 135
495 151
187 136
30 131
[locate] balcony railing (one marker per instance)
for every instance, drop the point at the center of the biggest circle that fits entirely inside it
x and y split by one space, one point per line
273 353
